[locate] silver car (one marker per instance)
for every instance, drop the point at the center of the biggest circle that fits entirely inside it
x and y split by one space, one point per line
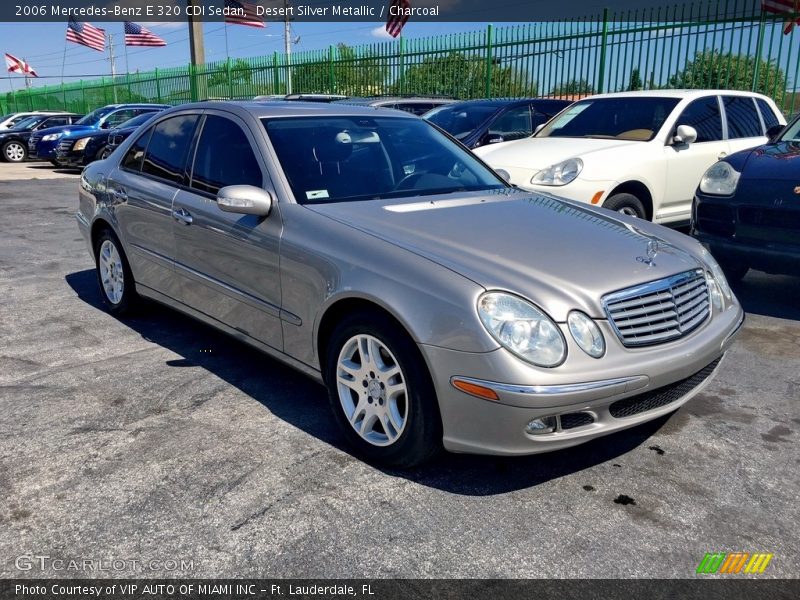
439 305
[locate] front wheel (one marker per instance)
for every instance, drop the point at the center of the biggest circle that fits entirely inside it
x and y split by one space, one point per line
627 204
381 392
14 152
114 275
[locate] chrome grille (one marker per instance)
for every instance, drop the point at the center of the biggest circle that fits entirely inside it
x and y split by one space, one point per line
659 311
65 146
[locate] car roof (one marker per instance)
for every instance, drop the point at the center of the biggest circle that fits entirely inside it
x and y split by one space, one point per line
377 100
691 94
265 109
506 101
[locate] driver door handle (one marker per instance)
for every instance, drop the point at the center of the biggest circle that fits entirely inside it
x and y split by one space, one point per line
182 216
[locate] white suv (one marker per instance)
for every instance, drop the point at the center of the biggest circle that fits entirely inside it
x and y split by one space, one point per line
641 153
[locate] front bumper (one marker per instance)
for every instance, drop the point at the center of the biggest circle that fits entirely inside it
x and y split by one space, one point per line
70 158
42 150
652 381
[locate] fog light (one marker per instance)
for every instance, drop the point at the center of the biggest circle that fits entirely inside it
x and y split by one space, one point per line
541 425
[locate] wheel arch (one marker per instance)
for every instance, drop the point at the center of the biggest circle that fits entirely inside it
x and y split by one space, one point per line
98 227
638 189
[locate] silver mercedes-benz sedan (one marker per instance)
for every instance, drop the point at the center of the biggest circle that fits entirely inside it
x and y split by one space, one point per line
439 305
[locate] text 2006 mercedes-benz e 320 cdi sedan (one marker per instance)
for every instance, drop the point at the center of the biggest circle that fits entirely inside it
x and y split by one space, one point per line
439 305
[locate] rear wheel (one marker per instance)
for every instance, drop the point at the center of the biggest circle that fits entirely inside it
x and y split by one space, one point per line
381 392
14 152
114 275
627 204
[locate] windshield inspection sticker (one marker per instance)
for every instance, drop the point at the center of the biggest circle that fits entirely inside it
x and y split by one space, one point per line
317 194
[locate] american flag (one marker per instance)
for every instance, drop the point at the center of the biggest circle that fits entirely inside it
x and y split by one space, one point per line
86 35
136 35
17 65
245 14
789 8
394 23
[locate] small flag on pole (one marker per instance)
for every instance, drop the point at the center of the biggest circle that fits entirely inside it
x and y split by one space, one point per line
788 8
86 35
136 35
242 13
17 65
397 17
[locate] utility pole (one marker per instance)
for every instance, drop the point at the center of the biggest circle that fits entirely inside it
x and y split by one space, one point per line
196 47
113 60
25 72
287 47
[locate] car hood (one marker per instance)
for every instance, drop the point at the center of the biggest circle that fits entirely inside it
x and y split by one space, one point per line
81 132
538 153
559 254
63 129
779 161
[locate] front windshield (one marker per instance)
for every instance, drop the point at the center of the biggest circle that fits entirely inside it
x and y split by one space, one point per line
136 121
28 123
460 120
792 132
337 159
634 118
94 116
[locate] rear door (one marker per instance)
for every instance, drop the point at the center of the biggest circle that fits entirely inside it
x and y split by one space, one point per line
228 263
143 188
686 163
745 129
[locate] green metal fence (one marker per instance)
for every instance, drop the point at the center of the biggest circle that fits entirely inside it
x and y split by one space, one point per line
681 46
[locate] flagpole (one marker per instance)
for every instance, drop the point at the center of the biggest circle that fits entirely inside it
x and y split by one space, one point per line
113 65
227 53
64 62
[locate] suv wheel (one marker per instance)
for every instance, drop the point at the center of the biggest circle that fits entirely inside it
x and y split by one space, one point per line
627 204
14 152
381 392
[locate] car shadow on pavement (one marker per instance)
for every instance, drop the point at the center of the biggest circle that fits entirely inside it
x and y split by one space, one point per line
769 295
278 388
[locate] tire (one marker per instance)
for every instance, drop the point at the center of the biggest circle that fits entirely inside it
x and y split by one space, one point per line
390 398
14 152
627 204
104 153
734 270
117 291
55 163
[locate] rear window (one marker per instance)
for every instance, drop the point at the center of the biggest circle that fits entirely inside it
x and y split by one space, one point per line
770 120
742 117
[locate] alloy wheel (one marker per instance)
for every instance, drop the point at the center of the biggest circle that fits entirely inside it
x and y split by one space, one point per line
111 273
15 152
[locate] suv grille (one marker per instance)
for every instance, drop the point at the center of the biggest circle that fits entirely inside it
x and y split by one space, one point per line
65 146
661 396
659 311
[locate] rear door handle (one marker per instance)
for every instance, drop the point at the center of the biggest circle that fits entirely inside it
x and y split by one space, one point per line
182 216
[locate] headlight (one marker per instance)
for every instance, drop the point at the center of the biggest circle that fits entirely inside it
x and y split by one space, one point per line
51 137
586 334
720 179
522 328
81 144
559 174
718 287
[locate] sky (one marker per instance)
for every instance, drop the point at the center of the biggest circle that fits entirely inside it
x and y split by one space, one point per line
42 45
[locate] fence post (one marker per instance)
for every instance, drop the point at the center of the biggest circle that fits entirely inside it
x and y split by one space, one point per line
158 87
83 99
229 76
401 75
128 81
276 80
192 83
331 69
601 76
489 60
759 53
64 95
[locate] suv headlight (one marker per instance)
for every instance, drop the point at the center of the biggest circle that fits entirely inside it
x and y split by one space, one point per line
522 328
720 179
50 137
718 287
560 173
80 144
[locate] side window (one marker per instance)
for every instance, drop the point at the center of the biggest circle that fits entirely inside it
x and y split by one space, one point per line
514 124
703 114
224 157
119 117
133 159
54 122
540 118
742 117
770 120
166 153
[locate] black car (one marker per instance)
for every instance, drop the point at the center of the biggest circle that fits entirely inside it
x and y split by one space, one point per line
476 123
14 142
77 152
416 105
747 207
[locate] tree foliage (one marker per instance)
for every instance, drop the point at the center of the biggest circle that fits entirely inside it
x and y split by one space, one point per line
462 76
354 74
241 72
715 70
573 87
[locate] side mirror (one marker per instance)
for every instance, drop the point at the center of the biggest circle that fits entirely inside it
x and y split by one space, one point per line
504 175
685 134
772 132
105 125
245 200
538 128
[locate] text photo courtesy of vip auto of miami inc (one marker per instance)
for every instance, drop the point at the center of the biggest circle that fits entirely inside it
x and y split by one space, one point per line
400 299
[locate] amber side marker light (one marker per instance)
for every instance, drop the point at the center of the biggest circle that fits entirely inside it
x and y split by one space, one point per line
474 389
597 196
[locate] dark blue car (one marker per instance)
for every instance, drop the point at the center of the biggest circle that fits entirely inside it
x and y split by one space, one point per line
747 208
43 144
476 123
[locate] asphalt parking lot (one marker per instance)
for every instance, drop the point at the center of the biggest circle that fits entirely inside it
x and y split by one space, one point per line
158 439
